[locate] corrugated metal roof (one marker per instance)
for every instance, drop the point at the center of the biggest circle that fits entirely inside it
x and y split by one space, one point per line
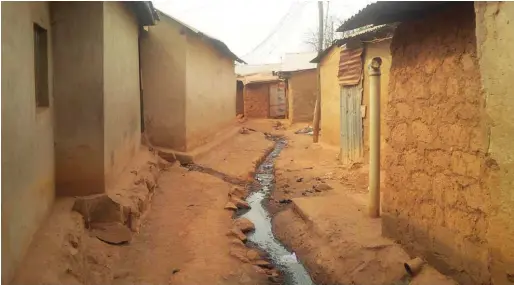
364 34
217 44
390 12
365 31
297 61
350 66
145 12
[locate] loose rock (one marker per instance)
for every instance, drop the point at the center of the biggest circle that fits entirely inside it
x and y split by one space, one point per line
322 187
237 192
240 204
230 206
244 225
263 264
259 269
299 179
239 253
112 233
238 234
285 201
253 254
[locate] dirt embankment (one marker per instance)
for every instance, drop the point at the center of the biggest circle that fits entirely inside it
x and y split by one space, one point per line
187 237
319 211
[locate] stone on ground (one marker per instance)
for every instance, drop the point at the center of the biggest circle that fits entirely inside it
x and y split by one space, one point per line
263 264
253 254
111 233
244 225
230 206
238 234
240 204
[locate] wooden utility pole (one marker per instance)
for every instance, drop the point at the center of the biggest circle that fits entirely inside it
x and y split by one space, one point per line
317 108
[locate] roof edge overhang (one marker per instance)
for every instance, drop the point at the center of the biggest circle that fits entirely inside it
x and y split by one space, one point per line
387 12
145 12
217 44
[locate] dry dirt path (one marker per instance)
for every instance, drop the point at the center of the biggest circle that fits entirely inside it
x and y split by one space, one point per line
184 237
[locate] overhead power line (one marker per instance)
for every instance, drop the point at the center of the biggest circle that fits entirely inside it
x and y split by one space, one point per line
295 9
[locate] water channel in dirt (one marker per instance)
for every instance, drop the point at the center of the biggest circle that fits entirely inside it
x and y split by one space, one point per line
293 271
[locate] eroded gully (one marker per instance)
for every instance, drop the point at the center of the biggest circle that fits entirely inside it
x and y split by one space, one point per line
293 271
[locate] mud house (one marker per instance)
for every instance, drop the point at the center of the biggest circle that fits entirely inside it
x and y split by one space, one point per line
70 107
345 88
449 157
264 96
301 77
189 85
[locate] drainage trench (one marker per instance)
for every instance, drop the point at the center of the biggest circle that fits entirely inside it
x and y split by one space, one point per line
294 273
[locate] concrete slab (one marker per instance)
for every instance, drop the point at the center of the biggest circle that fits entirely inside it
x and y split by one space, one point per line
340 235
193 155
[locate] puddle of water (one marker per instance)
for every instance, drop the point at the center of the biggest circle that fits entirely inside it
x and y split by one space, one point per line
294 272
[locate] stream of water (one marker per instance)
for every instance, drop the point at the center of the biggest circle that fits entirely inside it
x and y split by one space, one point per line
293 271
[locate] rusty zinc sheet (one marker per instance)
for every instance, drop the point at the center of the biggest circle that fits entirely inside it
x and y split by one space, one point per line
350 67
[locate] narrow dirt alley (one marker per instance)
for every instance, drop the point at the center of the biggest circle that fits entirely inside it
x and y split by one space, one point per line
211 223
184 238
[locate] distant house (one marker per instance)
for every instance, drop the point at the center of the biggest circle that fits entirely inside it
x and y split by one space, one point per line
345 88
301 77
285 90
264 96
448 192
189 85
70 107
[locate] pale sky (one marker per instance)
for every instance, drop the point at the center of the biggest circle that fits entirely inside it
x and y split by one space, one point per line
244 24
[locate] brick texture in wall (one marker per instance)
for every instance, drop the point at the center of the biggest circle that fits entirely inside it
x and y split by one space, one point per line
256 100
435 200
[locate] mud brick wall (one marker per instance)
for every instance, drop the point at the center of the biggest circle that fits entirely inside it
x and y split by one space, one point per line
435 200
256 100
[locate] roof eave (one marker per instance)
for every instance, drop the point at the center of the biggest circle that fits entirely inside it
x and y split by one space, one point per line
387 12
145 12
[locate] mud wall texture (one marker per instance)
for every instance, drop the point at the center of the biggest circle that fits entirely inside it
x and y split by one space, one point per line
256 100
163 63
435 198
78 96
210 91
330 98
372 50
301 92
495 46
27 134
122 119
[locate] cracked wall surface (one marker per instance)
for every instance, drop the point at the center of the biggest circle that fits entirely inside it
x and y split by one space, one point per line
436 199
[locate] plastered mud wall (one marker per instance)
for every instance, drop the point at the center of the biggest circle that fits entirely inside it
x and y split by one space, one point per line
495 49
122 110
27 134
330 98
436 201
210 91
163 64
302 88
